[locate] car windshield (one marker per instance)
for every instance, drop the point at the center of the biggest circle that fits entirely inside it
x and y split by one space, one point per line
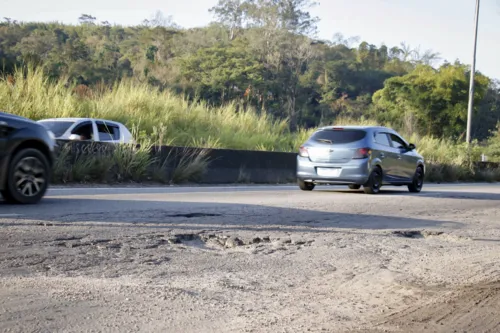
336 136
57 127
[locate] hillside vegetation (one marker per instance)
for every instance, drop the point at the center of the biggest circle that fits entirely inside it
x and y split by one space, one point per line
256 78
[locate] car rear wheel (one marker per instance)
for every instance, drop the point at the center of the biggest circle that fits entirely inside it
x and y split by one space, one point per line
306 186
418 181
27 178
354 187
374 182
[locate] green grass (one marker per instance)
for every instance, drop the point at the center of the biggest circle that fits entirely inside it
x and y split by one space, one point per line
161 118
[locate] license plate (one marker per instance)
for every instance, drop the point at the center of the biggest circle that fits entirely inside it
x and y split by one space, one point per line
329 172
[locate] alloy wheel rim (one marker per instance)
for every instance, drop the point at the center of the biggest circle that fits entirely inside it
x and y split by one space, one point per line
376 179
419 177
29 176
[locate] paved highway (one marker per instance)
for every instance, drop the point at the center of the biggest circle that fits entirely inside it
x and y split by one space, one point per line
65 201
252 259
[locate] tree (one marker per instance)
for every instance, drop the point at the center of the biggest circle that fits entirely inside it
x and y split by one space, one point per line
290 15
36 47
87 19
436 99
222 73
230 13
339 39
160 20
486 117
296 17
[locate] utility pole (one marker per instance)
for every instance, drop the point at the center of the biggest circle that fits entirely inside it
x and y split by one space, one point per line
472 73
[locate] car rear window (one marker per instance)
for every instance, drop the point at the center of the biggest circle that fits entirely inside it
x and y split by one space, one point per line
336 136
57 127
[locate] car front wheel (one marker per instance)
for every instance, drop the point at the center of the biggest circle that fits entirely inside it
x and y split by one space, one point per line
418 181
27 178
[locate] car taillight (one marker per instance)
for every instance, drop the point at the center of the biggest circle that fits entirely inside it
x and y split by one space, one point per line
362 153
303 152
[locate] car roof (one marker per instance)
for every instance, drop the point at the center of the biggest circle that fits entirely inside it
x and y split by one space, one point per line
356 127
79 119
11 115
18 118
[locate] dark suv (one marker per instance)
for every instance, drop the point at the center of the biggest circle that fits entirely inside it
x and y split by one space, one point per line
26 159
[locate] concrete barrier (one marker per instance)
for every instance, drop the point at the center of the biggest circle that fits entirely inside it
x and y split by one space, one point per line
487 165
225 165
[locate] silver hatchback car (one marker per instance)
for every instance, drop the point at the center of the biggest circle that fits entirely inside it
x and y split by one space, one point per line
368 156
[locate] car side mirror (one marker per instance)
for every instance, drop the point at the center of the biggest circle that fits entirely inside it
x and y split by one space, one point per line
74 137
411 146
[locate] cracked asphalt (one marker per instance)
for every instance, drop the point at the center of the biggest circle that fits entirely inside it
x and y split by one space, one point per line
252 259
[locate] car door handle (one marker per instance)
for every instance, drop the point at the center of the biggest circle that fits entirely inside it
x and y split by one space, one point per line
399 157
3 123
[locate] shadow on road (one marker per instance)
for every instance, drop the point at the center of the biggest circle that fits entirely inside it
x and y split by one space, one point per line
202 216
425 194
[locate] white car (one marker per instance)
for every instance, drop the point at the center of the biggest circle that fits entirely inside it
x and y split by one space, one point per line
88 129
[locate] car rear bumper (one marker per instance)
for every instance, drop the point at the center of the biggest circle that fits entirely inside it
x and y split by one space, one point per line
352 172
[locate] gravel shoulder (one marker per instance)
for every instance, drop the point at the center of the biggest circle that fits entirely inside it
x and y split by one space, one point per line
252 260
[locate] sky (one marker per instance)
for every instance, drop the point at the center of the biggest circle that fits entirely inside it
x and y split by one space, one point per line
445 26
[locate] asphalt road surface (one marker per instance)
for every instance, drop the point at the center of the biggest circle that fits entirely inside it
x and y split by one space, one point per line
252 259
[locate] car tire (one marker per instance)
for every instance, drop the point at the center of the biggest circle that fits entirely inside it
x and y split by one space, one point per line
306 186
27 178
354 187
418 181
374 182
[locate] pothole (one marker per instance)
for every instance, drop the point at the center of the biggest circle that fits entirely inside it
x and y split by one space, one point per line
417 233
191 215
198 240
202 240
211 240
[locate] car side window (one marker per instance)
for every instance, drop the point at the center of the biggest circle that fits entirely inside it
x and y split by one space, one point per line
397 142
382 139
85 130
108 132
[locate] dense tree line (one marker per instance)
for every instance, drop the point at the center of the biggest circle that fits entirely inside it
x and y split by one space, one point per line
264 54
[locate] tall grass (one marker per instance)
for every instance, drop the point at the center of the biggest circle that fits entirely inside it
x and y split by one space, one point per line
179 121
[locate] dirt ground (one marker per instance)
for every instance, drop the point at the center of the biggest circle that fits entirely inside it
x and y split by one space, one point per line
269 259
